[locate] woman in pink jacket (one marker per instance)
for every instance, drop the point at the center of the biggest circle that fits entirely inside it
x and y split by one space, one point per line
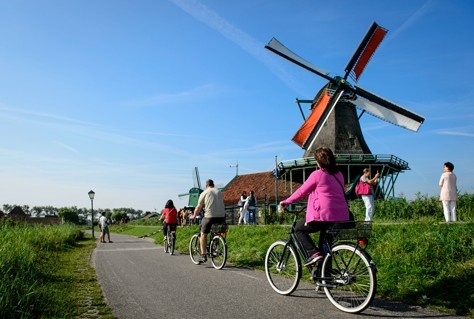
326 202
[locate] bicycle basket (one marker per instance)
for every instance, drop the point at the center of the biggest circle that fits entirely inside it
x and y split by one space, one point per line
219 228
351 230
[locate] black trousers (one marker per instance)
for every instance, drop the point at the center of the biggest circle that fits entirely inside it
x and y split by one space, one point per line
304 230
172 227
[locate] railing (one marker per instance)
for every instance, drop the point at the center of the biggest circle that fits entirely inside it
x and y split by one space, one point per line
346 159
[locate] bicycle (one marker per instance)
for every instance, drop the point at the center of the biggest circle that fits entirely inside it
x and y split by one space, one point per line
169 240
347 273
216 247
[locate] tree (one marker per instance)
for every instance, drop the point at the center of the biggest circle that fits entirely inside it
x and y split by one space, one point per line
69 214
120 217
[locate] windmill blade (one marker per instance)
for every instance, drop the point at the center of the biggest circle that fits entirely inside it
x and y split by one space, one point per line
387 110
277 47
318 106
324 116
196 178
364 51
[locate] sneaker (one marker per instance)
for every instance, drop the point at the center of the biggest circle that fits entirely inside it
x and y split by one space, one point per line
202 259
313 259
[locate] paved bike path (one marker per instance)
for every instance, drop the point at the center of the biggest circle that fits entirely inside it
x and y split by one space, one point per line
139 280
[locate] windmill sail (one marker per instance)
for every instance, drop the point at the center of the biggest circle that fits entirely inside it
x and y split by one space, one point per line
196 178
387 110
277 47
319 125
364 51
318 108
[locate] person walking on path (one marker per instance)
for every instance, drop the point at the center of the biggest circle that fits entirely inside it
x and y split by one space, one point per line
368 199
212 202
449 192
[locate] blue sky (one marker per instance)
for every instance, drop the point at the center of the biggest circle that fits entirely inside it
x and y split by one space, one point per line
127 97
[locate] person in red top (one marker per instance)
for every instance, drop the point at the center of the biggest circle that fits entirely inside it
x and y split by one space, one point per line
170 216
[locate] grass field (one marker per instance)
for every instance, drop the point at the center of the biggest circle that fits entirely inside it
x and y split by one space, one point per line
45 271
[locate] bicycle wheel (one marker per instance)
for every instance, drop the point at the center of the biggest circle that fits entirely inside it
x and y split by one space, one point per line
218 252
195 249
165 244
282 267
171 242
353 278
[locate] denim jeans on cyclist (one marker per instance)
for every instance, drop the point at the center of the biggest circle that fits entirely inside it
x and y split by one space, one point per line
304 230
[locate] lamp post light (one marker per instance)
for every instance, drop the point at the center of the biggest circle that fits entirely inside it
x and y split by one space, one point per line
91 196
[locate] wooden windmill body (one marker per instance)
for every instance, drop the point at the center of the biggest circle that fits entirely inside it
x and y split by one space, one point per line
334 122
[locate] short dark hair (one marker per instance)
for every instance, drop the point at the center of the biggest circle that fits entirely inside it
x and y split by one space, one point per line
449 165
210 183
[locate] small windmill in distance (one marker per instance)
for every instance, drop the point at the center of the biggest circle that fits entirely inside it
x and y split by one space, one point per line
195 191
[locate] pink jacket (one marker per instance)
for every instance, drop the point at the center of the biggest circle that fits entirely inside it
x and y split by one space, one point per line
326 200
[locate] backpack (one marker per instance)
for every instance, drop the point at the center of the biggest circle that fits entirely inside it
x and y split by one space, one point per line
362 188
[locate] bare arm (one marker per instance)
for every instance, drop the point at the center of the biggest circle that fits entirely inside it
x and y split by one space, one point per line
196 211
374 180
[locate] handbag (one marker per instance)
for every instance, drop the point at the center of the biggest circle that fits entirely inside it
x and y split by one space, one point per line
351 214
363 188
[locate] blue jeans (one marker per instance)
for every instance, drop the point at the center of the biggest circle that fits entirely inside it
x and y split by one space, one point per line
252 219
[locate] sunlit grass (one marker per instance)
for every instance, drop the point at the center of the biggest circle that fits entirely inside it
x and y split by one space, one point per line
45 272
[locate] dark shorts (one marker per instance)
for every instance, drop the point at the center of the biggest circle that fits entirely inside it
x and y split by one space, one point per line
207 222
104 230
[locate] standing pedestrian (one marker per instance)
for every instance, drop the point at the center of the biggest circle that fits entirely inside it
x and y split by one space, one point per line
252 207
104 228
242 210
369 198
449 192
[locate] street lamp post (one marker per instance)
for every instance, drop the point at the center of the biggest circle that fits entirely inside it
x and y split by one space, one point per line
91 196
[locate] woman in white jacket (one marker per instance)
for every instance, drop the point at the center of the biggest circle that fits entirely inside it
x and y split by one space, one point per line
243 210
449 192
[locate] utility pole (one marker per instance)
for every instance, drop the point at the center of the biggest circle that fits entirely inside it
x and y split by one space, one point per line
236 168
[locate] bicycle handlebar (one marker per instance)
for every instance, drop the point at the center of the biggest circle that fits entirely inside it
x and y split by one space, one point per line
295 212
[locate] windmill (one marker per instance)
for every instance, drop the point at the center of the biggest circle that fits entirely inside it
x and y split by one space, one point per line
195 191
333 121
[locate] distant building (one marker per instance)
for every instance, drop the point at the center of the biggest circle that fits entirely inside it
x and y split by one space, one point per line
265 186
18 214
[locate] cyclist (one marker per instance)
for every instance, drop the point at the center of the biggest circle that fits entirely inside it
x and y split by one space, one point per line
214 213
326 202
170 216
